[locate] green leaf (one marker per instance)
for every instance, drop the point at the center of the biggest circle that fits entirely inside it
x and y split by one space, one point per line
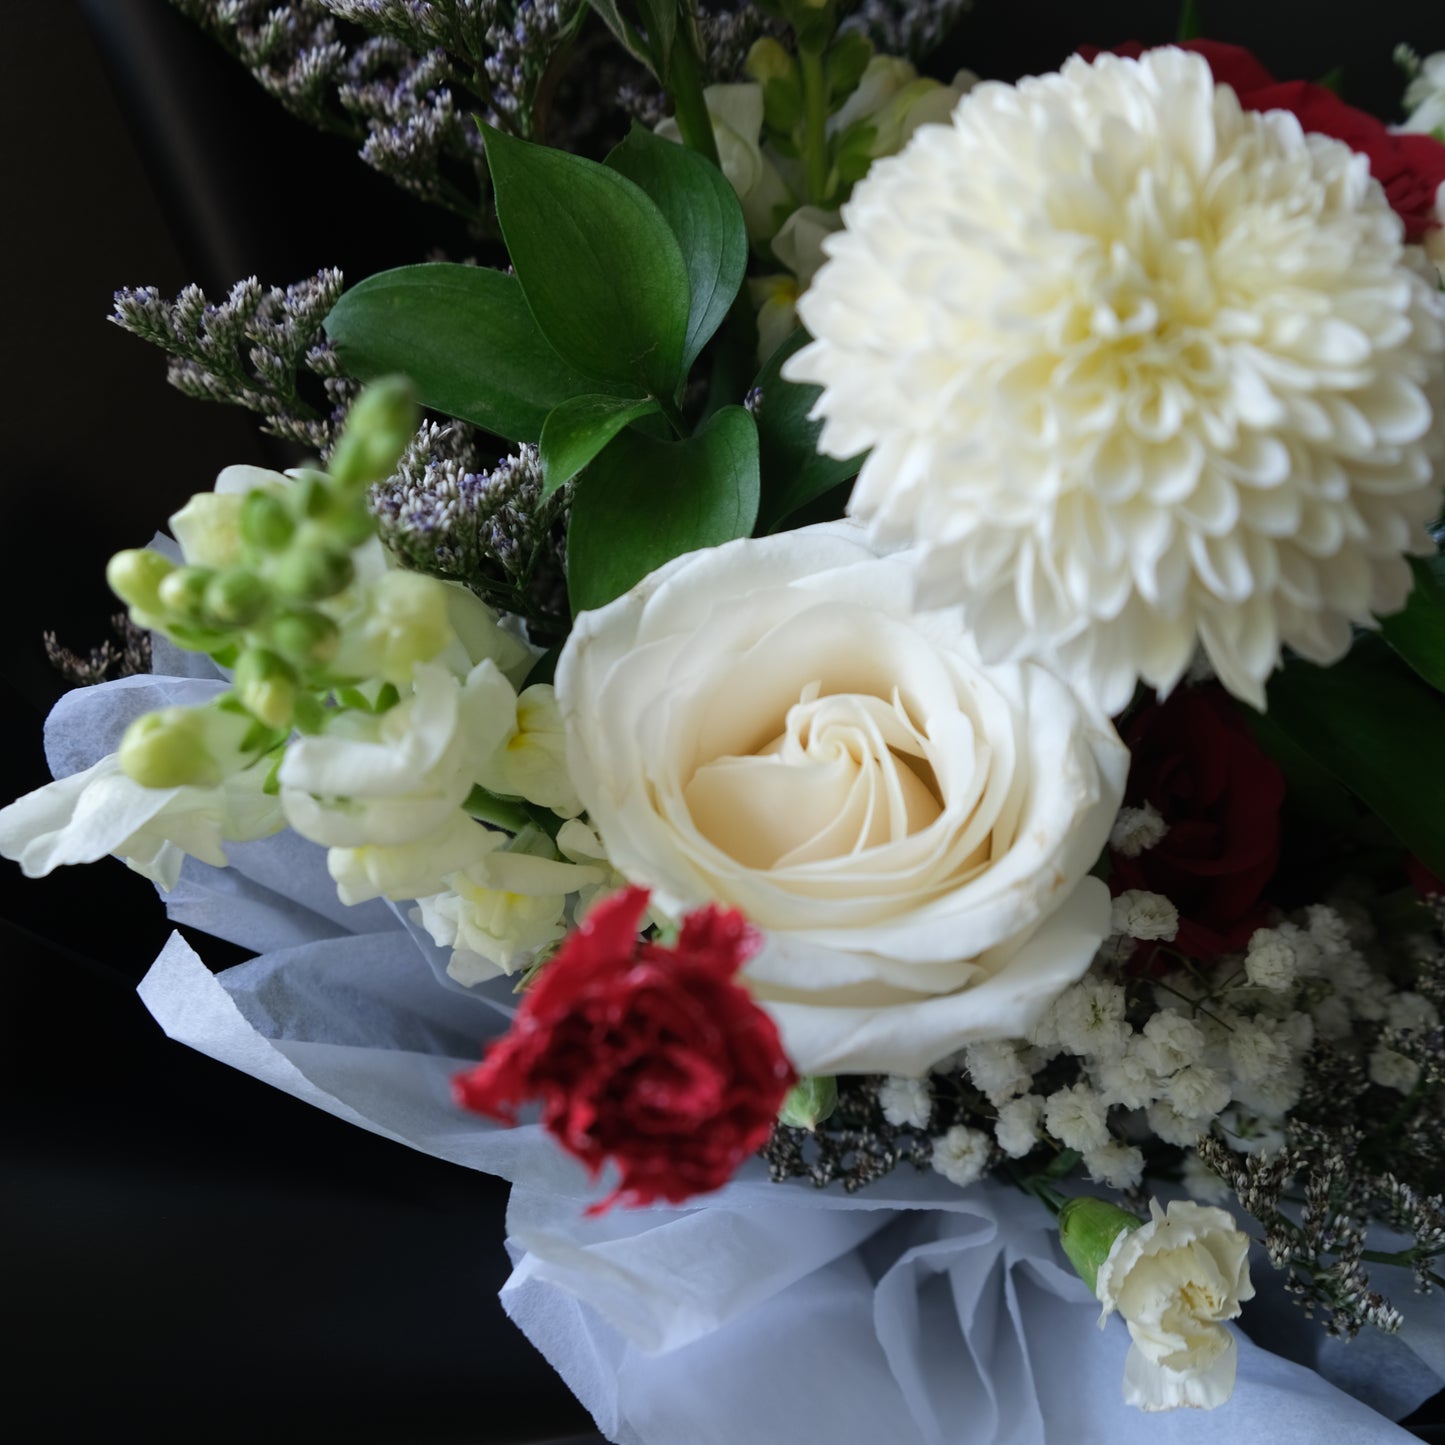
1372 725
599 265
660 17
703 211
793 470
644 502
578 429
465 337
1418 633
1188 28
622 32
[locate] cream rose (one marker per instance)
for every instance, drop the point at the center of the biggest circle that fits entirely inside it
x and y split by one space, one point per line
768 725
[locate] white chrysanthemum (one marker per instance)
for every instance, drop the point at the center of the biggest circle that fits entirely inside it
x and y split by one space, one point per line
1135 367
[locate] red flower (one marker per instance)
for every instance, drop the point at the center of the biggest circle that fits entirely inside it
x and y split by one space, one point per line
1193 758
1410 167
649 1056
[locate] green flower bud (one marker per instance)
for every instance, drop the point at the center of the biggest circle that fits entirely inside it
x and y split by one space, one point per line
266 522
182 595
170 749
304 637
1088 1228
767 60
311 573
236 598
135 577
266 685
382 422
809 1102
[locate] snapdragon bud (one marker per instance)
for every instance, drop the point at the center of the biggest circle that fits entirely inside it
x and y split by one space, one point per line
311 571
236 598
135 577
171 748
382 422
266 522
809 1102
266 685
182 595
305 637
1088 1228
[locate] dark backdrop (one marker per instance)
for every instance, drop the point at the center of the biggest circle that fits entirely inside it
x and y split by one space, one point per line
190 1253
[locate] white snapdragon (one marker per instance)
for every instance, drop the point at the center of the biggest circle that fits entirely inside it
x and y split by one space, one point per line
1017 1129
1136 830
906 1103
531 761
1425 96
1137 913
413 869
961 1155
1077 1118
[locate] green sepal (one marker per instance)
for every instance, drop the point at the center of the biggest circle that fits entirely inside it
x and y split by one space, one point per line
1088 1228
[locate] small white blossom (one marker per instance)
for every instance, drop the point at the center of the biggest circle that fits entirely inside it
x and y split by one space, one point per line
1328 929
1129 1077
1392 1070
1412 1012
1140 914
1201 1182
1136 830
1017 1130
1076 1118
961 1155
1173 1127
1270 962
996 1067
1332 1018
1274 1097
1257 1054
1251 1133
1198 1091
906 1103
1088 1018
1116 1164
1174 1041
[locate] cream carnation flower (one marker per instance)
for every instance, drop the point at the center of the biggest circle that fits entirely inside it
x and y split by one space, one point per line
1136 368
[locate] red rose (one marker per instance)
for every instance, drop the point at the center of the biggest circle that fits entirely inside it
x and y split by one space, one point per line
649 1056
1194 760
1410 167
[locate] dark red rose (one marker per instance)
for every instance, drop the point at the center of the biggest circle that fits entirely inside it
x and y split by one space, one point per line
1193 758
651 1057
1424 882
1410 167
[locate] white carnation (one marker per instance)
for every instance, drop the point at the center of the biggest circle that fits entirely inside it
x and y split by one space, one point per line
1136 830
961 1155
1017 1130
1134 368
906 1103
1140 914
1076 1118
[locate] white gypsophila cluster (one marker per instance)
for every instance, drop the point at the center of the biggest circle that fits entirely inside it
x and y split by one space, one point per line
906 1103
1136 369
962 1154
1136 830
1145 916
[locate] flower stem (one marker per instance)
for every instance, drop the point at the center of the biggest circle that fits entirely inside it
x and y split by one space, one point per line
815 115
688 103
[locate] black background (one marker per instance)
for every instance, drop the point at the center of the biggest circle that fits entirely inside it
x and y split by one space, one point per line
189 1253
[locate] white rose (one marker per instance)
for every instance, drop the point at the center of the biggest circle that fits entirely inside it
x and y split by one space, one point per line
768 725
1175 1280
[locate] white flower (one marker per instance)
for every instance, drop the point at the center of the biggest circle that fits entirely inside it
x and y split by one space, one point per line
1137 913
1257 1054
208 527
1017 1130
1173 1039
961 1155
1411 1012
767 725
415 868
1088 1019
997 1067
906 1103
1136 830
1270 962
1332 1018
1425 97
1137 368
1328 931
1198 1092
89 814
1128 1077
531 762
399 777
1076 1118
1173 1127
1390 1069
1175 1280
1116 1164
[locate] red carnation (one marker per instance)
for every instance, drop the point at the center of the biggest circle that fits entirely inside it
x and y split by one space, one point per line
649 1056
1410 167
1195 761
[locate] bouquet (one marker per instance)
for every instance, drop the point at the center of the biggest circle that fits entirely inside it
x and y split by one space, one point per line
847 703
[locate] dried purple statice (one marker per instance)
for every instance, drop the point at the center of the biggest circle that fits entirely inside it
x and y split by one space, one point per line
126 653
255 349
447 515
906 27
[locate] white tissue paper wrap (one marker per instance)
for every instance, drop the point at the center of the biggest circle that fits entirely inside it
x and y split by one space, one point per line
911 1313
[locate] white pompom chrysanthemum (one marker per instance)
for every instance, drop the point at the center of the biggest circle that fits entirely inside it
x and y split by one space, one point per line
1137 368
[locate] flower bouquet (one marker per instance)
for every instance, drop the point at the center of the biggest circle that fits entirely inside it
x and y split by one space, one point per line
848 704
